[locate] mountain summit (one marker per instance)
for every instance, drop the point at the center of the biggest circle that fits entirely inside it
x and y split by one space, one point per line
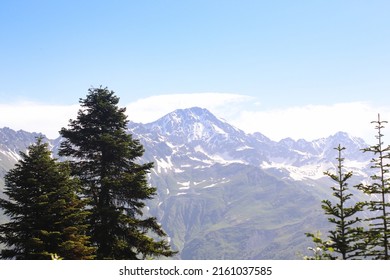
196 134
193 124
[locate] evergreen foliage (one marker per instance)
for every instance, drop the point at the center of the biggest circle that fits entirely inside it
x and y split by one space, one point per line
345 238
107 164
379 190
46 214
350 241
322 250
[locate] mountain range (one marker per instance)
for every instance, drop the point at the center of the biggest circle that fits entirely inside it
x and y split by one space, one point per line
226 194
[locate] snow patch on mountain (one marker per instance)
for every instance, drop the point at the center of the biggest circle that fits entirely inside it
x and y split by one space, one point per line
164 164
300 173
243 148
185 185
219 183
198 183
12 154
181 193
222 158
219 130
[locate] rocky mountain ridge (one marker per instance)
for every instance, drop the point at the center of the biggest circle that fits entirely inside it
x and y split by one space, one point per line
210 140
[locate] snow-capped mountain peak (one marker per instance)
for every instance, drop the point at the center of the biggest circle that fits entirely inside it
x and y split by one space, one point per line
192 124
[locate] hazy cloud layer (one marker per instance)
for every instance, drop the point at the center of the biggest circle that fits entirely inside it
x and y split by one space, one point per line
314 121
154 107
33 117
308 122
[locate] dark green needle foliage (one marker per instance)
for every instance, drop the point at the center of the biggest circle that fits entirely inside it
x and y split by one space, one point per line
46 214
379 191
107 162
345 237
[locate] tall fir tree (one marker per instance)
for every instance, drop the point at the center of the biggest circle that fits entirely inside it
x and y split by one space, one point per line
46 214
346 236
107 163
379 205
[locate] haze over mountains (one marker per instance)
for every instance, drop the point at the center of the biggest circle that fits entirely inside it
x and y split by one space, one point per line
226 194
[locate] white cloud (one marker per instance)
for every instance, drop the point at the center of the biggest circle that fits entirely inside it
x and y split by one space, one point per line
314 121
33 117
151 108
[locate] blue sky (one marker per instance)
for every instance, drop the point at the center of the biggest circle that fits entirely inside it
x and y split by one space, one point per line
257 58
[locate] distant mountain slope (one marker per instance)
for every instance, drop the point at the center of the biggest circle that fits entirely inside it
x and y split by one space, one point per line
226 194
11 143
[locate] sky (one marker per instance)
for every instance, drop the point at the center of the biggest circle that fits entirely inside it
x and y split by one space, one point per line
299 69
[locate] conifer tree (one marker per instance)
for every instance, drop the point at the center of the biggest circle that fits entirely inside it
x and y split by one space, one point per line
107 161
379 205
46 214
345 238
